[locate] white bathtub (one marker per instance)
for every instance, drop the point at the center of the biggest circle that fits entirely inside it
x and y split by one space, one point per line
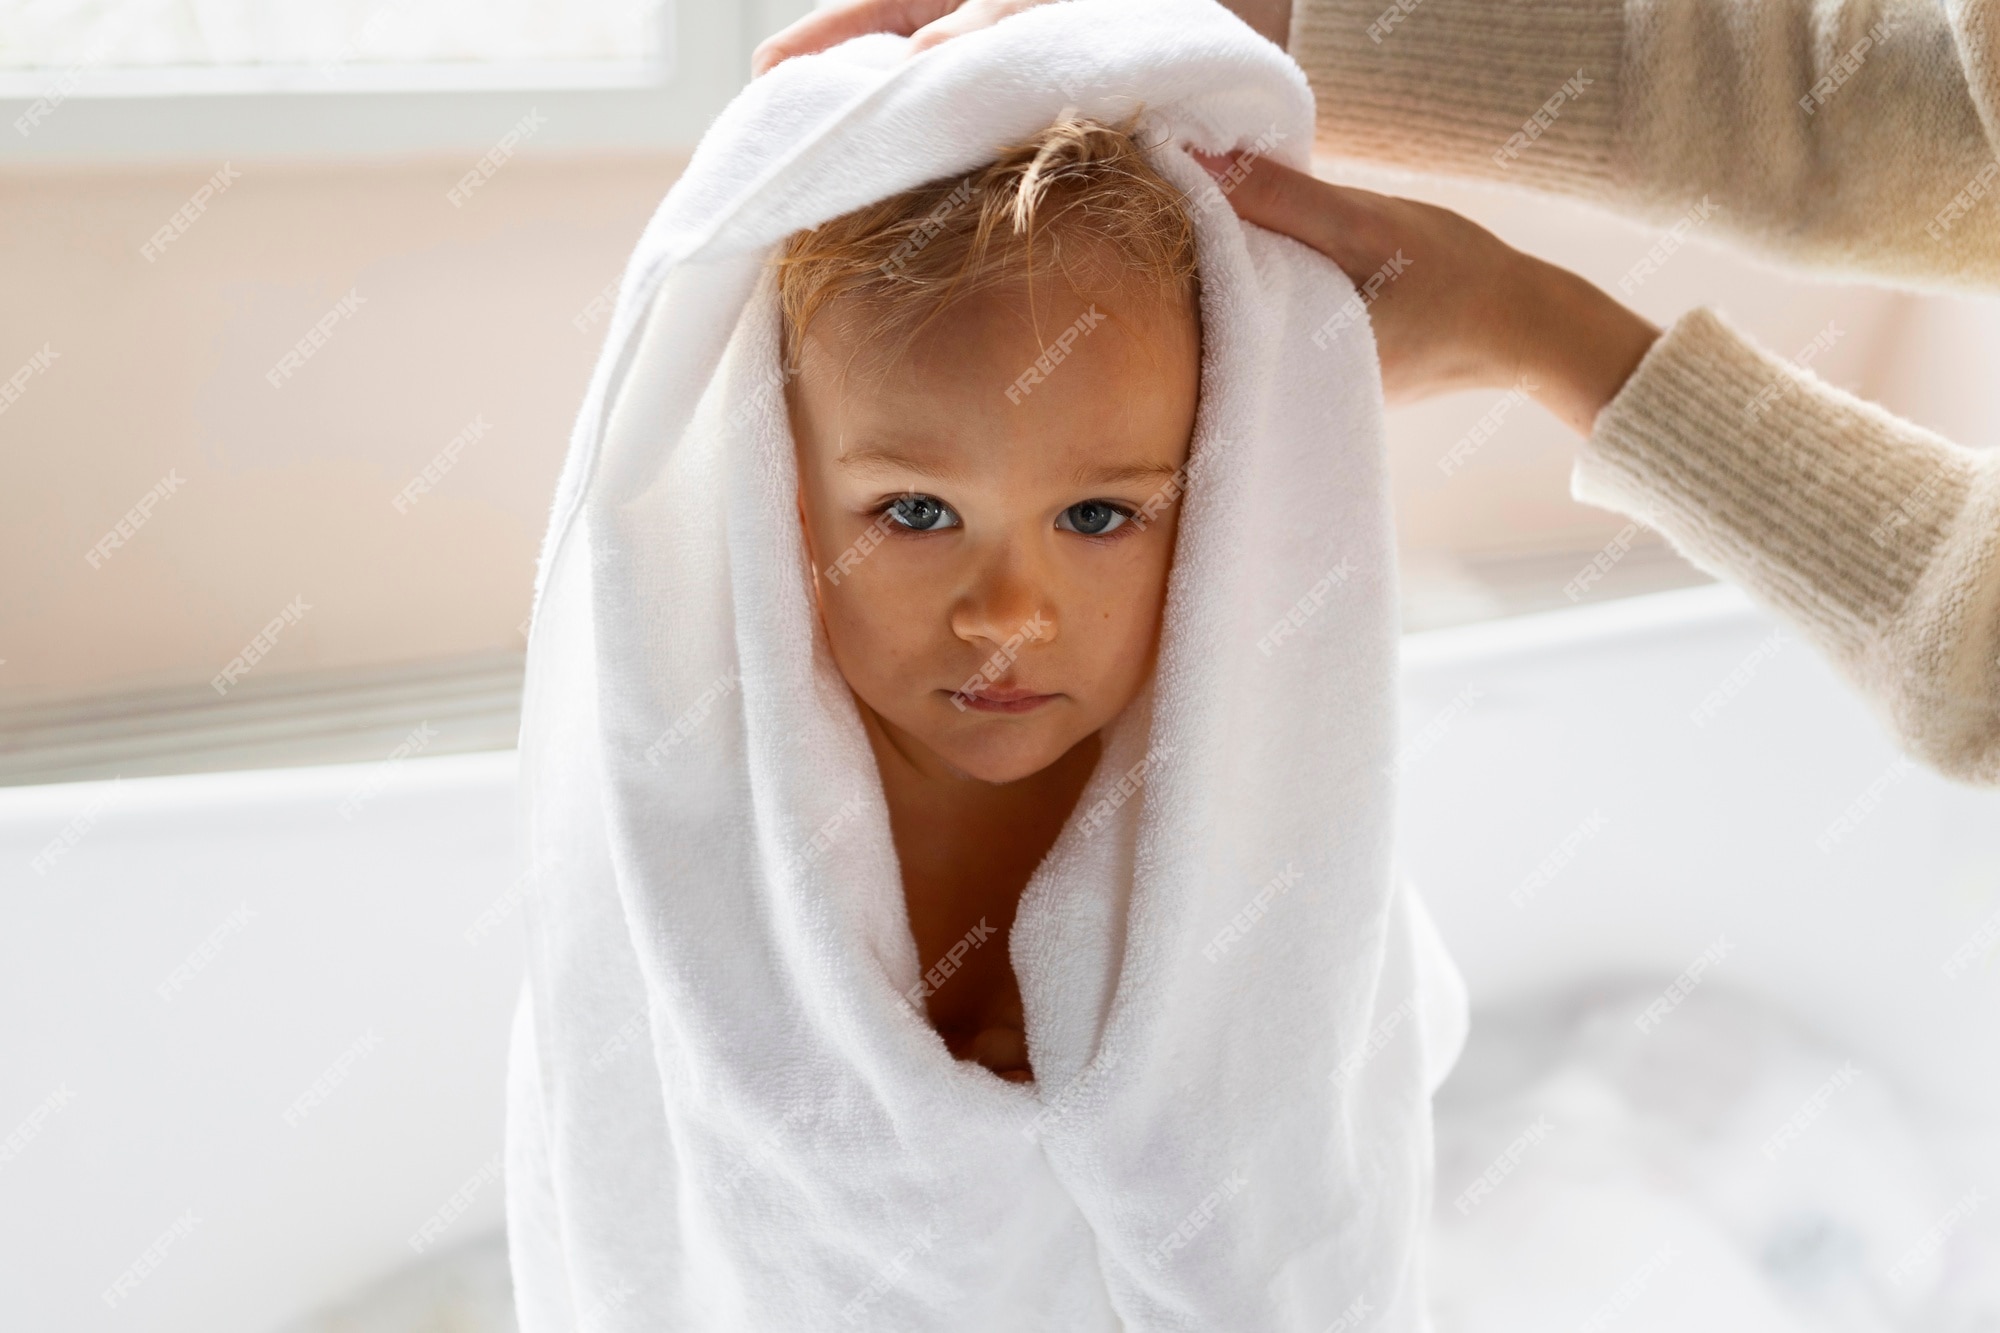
1806 1135
157 1125
178 1106
1708 829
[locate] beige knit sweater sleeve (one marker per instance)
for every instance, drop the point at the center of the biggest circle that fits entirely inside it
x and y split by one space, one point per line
1854 138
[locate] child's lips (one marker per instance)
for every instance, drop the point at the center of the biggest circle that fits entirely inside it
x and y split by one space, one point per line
1003 701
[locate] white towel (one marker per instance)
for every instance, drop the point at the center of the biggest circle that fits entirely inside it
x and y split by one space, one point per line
723 1114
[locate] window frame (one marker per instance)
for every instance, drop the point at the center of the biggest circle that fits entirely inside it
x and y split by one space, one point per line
291 112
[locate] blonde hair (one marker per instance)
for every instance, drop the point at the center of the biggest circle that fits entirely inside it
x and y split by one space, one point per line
1082 186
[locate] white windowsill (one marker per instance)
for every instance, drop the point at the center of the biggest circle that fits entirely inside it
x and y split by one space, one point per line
472 703
128 117
408 77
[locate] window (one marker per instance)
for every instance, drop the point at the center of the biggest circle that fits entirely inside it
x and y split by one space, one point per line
150 47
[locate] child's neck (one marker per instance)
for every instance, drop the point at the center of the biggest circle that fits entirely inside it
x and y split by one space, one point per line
955 830
966 849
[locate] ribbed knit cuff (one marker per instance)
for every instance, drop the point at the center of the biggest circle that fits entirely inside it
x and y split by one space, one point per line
1761 473
1520 90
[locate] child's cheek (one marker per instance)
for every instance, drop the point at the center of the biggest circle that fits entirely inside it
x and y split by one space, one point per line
1130 610
878 626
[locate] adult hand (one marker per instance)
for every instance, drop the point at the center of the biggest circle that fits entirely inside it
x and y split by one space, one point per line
1453 306
928 22
924 22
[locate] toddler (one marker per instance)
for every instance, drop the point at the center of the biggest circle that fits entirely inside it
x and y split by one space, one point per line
992 384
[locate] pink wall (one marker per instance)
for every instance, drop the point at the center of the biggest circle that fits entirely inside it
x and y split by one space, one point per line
160 368
467 314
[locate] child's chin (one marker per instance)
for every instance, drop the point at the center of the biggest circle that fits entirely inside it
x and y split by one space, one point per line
1002 759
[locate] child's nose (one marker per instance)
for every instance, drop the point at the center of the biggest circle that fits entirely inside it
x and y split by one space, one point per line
1008 603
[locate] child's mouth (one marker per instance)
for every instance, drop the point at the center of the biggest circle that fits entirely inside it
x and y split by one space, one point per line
1001 701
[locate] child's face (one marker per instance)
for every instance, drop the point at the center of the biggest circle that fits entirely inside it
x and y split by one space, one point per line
967 538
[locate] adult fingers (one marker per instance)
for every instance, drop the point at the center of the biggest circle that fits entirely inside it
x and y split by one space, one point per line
968 16
836 23
1346 225
1457 322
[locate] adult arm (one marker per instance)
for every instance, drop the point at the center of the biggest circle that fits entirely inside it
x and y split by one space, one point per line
1842 135
1828 135
1878 540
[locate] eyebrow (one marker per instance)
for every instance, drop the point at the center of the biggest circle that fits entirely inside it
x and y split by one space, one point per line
878 458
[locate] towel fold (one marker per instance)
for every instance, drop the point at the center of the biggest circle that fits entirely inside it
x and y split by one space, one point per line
723 1113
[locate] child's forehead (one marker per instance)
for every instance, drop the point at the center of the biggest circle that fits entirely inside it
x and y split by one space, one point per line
1051 384
1085 425
1021 333
1080 458
1012 361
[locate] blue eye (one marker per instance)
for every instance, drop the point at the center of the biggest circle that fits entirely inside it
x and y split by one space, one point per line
920 513
1093 518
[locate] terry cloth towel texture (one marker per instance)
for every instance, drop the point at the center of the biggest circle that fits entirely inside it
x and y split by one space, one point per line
723 1113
